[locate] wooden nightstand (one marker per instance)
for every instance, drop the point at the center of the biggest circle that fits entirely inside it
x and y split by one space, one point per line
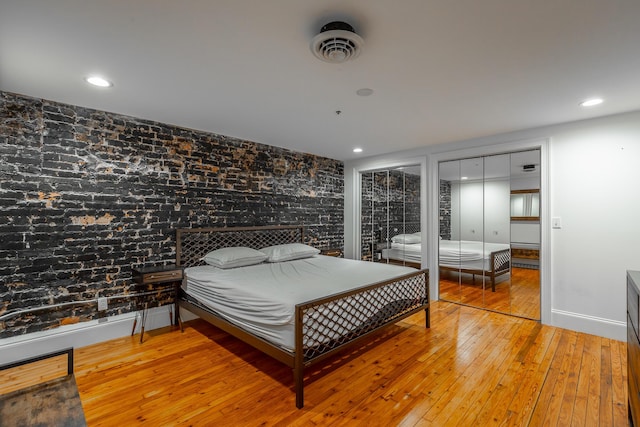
336 252
376 251
152 276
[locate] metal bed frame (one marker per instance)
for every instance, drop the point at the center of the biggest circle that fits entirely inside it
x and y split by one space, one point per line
400 297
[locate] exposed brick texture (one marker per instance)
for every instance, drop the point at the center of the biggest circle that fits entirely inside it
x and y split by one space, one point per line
86 195
445 209
390 198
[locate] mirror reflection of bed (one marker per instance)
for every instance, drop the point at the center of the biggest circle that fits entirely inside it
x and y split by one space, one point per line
476 197
390 206
404 247
514 289
476 210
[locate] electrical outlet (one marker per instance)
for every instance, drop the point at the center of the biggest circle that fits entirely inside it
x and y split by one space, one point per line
103 304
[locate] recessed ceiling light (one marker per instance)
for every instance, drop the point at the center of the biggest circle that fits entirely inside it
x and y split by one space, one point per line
464 177
591 102
357 150
365 91
98 81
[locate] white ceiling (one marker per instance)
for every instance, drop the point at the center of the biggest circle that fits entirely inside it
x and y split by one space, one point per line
442 70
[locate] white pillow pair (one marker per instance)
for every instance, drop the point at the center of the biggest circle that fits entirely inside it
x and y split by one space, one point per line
407 239
242 256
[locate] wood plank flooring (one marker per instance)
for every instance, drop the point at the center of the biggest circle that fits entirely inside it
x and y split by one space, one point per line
517 293
472 368
34 373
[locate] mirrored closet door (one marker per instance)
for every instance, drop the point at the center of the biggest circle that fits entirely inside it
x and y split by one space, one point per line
525 234
478 233
390 216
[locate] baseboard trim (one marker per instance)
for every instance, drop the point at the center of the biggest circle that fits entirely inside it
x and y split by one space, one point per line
82 334
86 333
593 325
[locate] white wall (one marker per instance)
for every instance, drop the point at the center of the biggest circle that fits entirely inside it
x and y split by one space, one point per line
525 232
595 170
469 221
524 183
590 172
469 213
497 209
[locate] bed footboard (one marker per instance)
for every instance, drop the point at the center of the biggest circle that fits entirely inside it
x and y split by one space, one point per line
327 325
500 264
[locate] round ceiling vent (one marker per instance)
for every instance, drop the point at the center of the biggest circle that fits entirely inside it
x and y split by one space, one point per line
336 43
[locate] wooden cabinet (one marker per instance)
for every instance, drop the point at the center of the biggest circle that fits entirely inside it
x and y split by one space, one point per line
633 345
525 253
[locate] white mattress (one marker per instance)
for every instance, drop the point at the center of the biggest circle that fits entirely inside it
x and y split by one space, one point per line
468 254
261 298
404 252
464 254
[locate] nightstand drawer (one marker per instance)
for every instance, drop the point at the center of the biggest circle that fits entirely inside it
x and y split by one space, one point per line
157 275
335 252
162 276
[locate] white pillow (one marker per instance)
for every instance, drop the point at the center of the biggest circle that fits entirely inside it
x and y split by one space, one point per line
288 252
406 238
238 256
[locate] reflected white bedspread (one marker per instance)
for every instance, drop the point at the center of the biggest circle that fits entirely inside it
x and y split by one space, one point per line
404 252
468 254
464 254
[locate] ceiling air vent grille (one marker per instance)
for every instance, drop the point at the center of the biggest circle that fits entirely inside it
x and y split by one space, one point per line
337 43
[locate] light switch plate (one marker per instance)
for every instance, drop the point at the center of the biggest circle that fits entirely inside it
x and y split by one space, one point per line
556 222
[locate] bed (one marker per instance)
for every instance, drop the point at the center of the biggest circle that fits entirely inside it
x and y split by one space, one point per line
308 326
488 259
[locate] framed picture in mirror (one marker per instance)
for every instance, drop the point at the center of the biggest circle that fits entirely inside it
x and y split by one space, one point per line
525 205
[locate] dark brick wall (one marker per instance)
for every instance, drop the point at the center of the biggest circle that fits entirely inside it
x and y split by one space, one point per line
86 195
445 209
404 203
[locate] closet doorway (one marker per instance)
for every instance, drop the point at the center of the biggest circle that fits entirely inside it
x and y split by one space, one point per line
489 226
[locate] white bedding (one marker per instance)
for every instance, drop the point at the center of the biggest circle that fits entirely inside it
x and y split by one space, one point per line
404 252
464 254
261 298
468 254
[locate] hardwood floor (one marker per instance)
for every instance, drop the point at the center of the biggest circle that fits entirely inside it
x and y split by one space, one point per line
517 293
31 374
473 367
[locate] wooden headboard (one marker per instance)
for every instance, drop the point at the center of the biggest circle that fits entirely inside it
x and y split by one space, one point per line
194 243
